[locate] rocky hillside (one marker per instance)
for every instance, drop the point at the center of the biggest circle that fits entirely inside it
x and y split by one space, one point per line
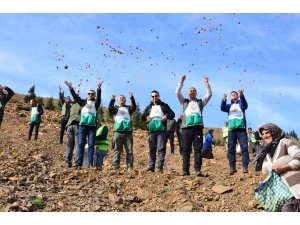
33 177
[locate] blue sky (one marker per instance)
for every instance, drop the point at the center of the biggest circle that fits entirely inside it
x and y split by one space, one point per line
257 52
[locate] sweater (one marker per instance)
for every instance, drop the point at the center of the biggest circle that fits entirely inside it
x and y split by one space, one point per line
184 102
287 152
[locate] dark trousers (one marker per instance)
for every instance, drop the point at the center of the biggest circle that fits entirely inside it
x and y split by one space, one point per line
1 116
192 136
241 136
170 137
179 143
63 124
157 142
72 132
36 127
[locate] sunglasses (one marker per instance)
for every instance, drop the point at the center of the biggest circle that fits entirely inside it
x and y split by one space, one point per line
91 93
154 96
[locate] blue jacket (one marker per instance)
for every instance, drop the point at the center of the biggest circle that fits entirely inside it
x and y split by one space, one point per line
208 140
243 105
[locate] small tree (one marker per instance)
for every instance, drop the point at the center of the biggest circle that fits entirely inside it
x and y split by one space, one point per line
31 94
61 96
293 134
137 119
40 100
49 104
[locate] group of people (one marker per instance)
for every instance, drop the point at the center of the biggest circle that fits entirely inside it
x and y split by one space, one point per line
83 125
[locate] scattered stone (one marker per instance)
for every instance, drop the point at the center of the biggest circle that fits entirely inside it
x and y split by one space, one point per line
220 189
187 207
142 194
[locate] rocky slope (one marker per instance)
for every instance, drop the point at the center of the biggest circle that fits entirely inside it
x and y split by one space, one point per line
33 177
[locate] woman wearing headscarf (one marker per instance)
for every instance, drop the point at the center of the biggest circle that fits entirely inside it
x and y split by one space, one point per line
285 161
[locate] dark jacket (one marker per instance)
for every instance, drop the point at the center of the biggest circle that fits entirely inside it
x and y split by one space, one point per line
29 108
242 103
65 108
4 98
114 109
178 127
171 125
167 111
82 102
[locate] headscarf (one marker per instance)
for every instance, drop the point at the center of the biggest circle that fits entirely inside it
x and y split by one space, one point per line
275 131
262 148
210 131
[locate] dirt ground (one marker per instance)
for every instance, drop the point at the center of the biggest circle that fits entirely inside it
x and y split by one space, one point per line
33 177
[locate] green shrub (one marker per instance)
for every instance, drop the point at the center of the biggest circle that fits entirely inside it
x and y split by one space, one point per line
37 201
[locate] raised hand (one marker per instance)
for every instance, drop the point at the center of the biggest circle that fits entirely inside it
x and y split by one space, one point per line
99 84
130 94
69 84
113 96
225 96
182 79
241 92
205 79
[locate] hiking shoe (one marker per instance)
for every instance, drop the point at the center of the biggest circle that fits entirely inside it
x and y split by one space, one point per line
232 171
149 169
185 173
198 173
160 170
245 170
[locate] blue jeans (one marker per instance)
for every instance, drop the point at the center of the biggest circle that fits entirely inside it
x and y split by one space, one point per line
100 157
83 133
234 136
192 136
157 142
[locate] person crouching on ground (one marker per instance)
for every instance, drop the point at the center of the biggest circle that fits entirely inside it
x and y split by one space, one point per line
285 158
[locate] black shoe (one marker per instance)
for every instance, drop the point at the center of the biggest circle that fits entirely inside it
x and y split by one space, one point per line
160 170
185 173
149 169
232 171
69 165
245 170
198 173
78 165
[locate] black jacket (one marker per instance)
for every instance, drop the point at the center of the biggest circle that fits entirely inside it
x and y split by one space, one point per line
5 98
82 102
114 109
29 108
167 111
